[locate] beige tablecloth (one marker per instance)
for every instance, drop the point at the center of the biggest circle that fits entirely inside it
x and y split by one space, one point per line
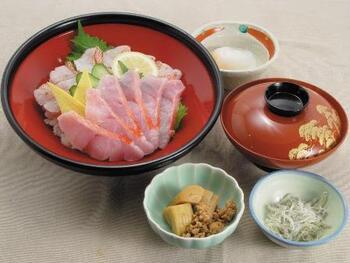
50 214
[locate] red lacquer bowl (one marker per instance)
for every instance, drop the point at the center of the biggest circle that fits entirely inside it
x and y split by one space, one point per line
277 140
32 62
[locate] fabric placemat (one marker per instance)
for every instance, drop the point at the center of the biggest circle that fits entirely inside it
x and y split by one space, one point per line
50 214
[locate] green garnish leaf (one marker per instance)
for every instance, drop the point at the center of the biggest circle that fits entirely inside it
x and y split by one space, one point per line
72 90
181 113
122 66
73 56
83 41
141 75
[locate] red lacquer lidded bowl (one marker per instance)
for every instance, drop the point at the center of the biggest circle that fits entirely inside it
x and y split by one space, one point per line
283 123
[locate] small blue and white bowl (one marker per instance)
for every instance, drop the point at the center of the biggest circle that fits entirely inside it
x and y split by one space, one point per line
274 186
166 185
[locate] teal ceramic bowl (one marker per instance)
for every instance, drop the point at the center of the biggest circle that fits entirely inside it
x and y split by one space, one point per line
307 186
164 187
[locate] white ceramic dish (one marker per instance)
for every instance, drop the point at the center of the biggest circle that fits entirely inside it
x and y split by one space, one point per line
256 38
274 186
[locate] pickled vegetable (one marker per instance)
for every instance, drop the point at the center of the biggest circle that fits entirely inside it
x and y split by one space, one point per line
65 101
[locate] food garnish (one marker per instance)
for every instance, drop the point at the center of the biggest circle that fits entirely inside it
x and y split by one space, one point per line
123 67
232 58
72 89
99 71
65 101
194 213
297 220
83 85
181 113
137 61
94 80
83 41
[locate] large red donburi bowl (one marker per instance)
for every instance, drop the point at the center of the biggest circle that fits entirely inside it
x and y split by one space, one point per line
32 62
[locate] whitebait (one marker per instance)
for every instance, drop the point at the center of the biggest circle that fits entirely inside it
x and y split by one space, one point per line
297 220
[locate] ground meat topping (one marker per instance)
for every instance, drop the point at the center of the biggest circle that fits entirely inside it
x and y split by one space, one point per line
204 223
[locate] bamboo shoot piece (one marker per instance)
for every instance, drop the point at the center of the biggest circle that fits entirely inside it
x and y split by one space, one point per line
211 200
178 217
213 203
207 196
191 194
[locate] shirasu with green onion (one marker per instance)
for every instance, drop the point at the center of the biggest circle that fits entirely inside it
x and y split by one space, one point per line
294 219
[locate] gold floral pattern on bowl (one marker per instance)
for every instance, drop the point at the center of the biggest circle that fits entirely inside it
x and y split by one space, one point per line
317 137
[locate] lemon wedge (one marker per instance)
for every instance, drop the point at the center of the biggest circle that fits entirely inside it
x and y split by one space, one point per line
141 63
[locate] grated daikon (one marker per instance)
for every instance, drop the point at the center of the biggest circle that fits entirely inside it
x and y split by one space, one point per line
231 58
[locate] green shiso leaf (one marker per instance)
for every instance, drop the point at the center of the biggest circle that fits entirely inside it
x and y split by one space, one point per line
83 41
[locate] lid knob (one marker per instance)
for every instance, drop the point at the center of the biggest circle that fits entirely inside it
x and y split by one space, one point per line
286 98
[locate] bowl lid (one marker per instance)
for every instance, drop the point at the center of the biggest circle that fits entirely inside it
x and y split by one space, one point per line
283 118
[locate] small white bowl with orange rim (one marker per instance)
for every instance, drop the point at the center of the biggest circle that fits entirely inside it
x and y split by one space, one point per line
242 50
